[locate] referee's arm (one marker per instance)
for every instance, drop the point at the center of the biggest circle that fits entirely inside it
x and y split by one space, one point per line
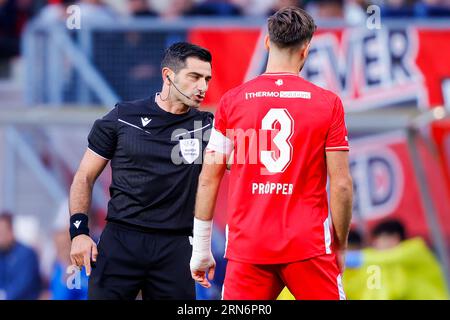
83 247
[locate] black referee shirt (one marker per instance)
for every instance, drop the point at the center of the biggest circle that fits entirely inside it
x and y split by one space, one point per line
156 159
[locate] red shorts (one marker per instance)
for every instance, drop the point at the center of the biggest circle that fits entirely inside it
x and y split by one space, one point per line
317 278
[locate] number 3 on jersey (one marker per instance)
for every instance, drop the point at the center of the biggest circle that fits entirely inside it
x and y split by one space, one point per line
281 140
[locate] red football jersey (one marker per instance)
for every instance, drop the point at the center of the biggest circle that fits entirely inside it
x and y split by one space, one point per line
280 127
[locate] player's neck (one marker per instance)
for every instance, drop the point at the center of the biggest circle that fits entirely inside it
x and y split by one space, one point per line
278 63
275 68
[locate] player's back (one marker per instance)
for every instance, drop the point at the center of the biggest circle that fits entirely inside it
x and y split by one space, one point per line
281 126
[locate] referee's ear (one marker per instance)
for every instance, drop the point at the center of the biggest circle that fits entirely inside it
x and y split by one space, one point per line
166 76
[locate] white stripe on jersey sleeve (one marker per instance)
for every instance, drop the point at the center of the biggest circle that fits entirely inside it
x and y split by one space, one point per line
219 143
98 154
327 235
340 288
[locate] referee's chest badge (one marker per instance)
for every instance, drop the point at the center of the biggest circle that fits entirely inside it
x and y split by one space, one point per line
190 149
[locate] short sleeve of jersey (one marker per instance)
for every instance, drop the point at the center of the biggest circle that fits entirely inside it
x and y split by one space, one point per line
103 136
337 138
219 142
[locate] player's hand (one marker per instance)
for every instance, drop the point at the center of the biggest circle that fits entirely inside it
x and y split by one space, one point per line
82 251
203 269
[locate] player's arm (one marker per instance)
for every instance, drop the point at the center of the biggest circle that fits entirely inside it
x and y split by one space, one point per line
213 169
215 162
83 247
341 185
341 193
202 261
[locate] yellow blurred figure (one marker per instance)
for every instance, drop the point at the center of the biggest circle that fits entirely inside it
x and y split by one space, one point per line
408 271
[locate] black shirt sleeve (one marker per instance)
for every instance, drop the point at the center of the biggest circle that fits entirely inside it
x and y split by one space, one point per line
208 119
103 136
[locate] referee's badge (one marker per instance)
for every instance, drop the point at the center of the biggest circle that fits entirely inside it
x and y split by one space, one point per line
190 149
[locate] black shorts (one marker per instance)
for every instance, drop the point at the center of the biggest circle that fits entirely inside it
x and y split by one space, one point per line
130 261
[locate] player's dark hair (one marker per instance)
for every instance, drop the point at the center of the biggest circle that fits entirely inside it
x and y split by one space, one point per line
391 227
290 27
175 56
355 238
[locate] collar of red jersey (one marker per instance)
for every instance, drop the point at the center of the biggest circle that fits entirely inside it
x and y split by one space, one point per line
280 74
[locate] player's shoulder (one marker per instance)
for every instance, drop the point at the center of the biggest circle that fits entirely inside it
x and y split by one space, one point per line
248 84
329 96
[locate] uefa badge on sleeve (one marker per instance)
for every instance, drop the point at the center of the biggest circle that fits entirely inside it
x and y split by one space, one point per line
190 149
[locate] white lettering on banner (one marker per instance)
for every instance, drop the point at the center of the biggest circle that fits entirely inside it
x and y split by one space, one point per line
363 65
378 176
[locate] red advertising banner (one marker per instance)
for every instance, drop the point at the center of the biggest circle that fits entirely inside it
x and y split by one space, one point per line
367 68
386 184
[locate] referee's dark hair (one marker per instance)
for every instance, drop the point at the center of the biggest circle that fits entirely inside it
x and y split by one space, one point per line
175 56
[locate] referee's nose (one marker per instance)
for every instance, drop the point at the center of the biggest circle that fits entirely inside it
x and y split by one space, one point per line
202 85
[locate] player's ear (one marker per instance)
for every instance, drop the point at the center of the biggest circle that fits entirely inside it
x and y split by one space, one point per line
304 50
267 42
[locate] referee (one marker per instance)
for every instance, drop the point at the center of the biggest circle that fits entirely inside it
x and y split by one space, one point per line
155 146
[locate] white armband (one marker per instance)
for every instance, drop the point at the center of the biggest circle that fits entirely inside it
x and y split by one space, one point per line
219 143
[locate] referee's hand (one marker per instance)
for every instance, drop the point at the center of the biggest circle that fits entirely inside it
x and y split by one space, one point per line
82 251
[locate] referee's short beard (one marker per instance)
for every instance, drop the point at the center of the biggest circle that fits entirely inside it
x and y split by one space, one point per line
189 103
178 94
186 99
176 97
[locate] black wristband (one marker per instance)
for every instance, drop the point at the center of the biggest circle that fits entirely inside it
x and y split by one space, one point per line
78 225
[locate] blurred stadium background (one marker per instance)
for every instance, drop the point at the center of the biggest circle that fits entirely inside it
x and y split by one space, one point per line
387 59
